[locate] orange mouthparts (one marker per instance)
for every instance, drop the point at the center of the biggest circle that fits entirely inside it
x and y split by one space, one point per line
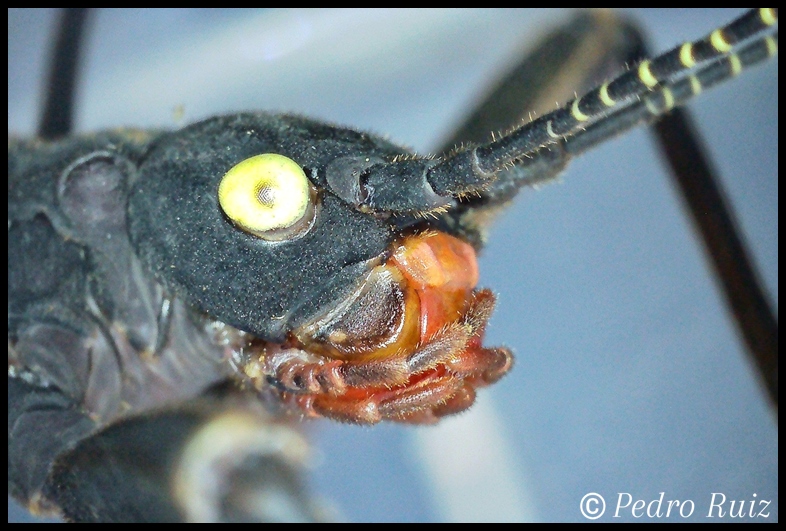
406 345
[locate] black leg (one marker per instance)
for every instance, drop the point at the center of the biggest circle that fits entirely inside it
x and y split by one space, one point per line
58 116
712 217
617 42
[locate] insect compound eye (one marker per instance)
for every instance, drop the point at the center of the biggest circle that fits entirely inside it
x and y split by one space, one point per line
268 196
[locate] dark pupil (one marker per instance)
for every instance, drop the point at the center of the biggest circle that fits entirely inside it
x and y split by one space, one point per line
266 195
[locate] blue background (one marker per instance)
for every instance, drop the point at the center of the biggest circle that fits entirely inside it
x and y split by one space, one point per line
630 376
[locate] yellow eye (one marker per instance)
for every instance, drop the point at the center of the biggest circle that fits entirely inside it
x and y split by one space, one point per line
269 196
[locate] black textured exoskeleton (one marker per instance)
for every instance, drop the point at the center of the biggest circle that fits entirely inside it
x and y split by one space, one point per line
161 355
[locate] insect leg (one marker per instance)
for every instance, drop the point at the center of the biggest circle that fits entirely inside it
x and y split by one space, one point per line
704 197
471 170
589 48
572 58
57 118
652 89
42 423
219 458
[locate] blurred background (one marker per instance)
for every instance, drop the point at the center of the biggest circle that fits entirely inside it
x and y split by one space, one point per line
630 377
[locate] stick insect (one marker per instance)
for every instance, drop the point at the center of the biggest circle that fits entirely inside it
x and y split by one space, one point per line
637 356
